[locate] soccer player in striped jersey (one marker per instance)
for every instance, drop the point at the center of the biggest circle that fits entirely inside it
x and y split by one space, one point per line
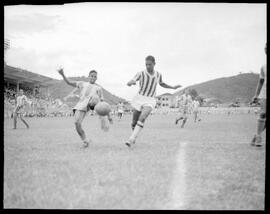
144 102
21 101
260 96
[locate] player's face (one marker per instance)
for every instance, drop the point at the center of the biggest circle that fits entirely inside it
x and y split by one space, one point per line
92 77
21 92
149 65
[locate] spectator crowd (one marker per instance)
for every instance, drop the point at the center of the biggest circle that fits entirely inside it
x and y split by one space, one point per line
39 105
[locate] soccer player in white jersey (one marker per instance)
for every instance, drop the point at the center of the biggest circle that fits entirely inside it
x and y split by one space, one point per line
120 109
90 94
21 102
260 96
144 102
195 108
184 102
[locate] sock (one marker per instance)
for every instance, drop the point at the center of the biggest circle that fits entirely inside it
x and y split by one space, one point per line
136 130
260 126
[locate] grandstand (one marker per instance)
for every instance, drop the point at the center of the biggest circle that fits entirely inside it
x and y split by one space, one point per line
36 88
19 78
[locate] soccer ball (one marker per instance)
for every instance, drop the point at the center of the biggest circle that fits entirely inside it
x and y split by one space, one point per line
103 108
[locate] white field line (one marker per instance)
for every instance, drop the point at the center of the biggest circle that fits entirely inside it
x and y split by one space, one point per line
178 185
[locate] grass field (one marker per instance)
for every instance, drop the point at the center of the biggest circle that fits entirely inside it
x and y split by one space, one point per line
44 166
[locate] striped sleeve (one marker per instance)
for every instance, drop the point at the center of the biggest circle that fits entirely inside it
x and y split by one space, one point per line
137 76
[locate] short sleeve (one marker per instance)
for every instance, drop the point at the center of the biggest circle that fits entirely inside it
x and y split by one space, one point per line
137 76
79 84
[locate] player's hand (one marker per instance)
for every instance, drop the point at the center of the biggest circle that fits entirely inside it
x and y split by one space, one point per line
61 71
177 86
131 82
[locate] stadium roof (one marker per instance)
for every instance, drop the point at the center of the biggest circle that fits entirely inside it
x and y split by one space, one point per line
13 74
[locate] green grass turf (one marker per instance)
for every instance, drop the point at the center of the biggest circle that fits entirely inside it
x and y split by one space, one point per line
44 166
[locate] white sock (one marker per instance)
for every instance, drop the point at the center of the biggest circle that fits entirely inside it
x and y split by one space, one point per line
136 130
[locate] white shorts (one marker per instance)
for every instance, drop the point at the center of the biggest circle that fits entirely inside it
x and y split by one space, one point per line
140 101
120 111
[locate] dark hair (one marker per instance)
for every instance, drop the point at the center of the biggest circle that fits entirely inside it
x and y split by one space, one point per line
150 58
92 71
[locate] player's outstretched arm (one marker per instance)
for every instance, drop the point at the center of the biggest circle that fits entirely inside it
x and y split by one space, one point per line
131 82
134 79
164 85
71 83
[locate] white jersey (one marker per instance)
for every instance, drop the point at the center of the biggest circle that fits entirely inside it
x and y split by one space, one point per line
148 82
263 75
87 92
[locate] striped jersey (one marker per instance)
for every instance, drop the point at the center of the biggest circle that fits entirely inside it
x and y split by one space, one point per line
148 82
22 100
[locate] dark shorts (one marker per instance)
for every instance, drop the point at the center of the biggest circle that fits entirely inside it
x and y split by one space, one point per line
89 107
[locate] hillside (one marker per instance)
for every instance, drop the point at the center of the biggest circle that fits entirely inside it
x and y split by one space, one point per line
228 89
60 89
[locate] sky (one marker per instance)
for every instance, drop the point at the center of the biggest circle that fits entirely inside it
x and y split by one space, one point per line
192 42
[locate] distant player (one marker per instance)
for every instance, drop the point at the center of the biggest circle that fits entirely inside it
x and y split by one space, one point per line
120 110
90 95
184 102
144 102
21 102
195 108
260 96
